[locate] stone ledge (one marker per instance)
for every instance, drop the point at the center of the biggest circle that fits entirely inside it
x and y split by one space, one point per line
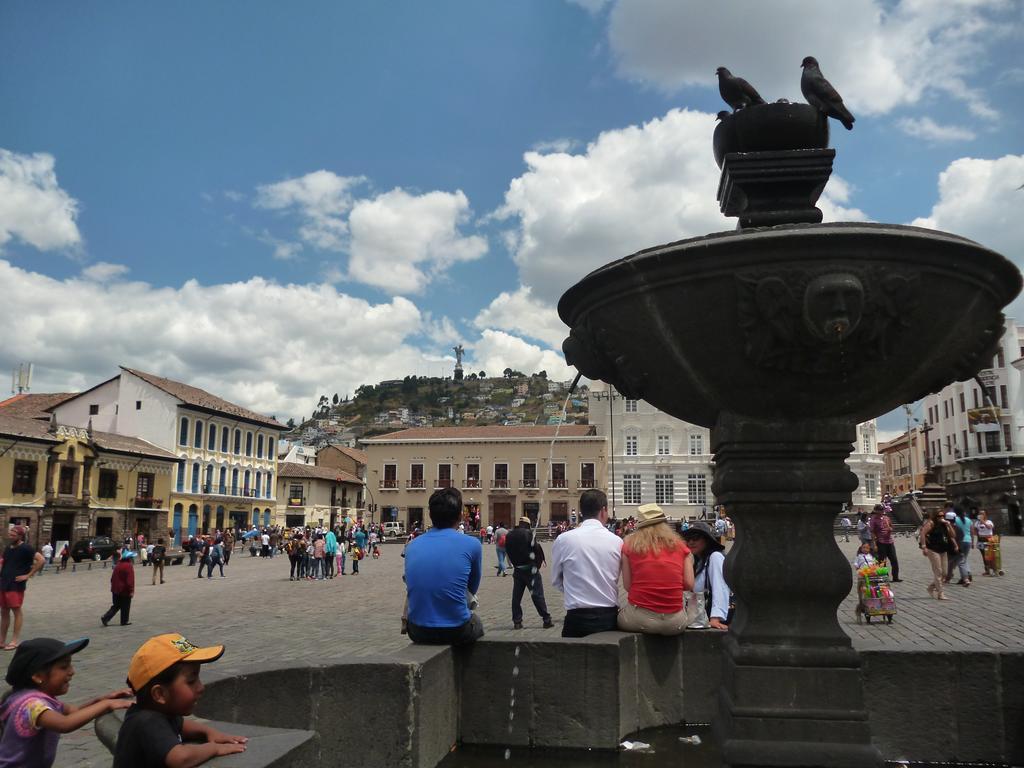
267 747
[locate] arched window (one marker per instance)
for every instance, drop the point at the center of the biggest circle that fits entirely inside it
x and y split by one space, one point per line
245 483
234 482
197 440
195 478
224 440
220 518
211 441
256 486
180 482
193 519
248 443
256 516
176 525
266 516
183 432
208 480
238 441
223 480
270 448
259 446
206 518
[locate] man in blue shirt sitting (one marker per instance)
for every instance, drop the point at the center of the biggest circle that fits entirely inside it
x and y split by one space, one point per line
442 571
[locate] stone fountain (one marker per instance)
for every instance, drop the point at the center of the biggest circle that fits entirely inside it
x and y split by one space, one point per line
781 336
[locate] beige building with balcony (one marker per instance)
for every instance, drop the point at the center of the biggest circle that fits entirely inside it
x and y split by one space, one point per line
313 495
503 472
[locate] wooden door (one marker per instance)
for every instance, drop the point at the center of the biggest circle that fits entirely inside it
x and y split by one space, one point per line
501 513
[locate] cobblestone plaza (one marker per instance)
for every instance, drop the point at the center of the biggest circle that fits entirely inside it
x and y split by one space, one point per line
259 614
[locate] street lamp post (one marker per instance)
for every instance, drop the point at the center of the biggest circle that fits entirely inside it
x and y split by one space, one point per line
611 396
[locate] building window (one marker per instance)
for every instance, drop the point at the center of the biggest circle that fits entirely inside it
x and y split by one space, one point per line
991 442
529 475
245 483
587 479
1006 437
183 432
664 489
270 485
696 445
197 439
1000 359
224 440
444 476
25 473
195 478
501 475
390 476
270 448
144 488
697 489
94 409
179 482
416 476
107 486
238 442
962 402
631 489
558 475
867 442
1002 396
248 443
208 479
631 445
295 497
234 482
630 406
257 485
664 445
259 446
211 440
472 475
67 482
223 480
871 486
138 405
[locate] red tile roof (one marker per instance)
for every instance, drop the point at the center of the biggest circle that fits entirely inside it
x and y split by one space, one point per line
200 398
34 406
311 471
355 454
21 427
487 433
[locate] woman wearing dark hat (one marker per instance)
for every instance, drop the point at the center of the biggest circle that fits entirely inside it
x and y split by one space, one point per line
656 569
709 574
32 716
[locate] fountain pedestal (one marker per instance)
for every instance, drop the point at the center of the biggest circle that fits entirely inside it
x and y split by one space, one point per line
791 687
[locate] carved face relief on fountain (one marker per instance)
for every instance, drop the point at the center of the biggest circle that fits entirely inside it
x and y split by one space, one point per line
833 305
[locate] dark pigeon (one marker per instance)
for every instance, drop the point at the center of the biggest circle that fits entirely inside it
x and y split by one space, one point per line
820 94
736 92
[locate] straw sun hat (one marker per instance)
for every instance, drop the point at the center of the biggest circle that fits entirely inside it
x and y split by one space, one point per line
650 514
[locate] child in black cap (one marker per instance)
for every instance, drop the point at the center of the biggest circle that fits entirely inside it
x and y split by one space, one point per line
32 716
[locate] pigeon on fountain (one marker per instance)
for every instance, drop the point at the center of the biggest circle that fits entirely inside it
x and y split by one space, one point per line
819 93
736 92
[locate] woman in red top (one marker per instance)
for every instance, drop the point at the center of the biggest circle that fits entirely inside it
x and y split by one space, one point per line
657 568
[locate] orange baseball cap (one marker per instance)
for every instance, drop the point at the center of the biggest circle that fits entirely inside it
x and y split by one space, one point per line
164 651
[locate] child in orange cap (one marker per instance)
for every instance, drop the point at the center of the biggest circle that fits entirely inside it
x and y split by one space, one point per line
164 673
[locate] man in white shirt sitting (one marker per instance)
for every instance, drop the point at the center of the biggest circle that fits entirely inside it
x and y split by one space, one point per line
585 567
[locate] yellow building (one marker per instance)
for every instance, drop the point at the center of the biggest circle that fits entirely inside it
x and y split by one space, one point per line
68 483
312 495
503 472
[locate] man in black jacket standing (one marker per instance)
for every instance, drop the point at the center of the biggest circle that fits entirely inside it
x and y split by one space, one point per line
526 557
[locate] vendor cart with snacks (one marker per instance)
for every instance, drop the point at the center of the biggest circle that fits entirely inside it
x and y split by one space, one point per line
874 593
992 555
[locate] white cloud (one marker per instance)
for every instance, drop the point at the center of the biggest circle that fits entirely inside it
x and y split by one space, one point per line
397 241
103 271
878 55
274 348
592 6
556 145
980 199
521 313
927 129
321 198
400 242
33 207
497 350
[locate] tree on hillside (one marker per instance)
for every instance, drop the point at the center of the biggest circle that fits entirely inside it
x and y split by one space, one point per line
543 374
471 377
335 398
482 374
507 373
291 424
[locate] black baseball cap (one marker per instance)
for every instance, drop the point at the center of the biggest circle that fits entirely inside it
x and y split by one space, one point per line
37 653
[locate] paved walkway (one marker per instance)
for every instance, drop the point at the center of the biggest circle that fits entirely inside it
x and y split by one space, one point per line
259 614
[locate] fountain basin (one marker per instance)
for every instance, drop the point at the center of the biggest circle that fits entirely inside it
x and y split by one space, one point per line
791 322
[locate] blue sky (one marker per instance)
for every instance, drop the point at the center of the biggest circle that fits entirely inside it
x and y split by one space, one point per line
278 200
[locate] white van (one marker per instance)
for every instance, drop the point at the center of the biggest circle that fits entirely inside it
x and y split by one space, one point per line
394 530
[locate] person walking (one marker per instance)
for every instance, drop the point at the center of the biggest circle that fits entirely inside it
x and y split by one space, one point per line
937 540
229 545
330 551
159 551
20 563
962 528
526 557
881 533
585 565
216 558
844 523
122 589
983 530
500 538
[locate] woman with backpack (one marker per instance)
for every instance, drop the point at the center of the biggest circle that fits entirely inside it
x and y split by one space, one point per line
937 541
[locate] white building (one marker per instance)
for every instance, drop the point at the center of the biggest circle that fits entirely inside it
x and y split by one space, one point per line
659 458
974 436
226 453
297 453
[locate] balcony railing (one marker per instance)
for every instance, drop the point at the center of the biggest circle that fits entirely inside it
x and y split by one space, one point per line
499 482
443 482
471 482
557 482
415 483
585 483
147 502
528 482
297 501
388 484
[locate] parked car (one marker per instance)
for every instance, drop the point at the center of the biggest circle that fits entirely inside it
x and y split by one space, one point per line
96 548
394 530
